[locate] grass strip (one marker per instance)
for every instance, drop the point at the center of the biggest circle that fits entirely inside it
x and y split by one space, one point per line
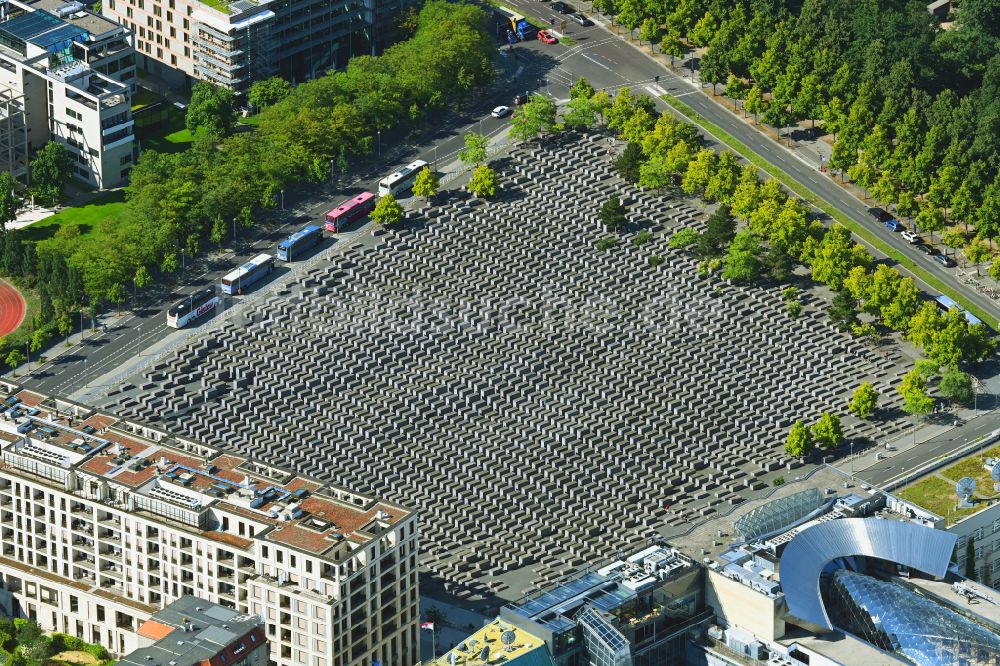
808 195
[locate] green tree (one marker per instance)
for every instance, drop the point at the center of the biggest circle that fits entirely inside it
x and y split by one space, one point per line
51 170
169 263
268 92
799 441
755 103
581 88
836 255
580 114
612 215
65 325
913 388
475 149
842 310
834 116
742 262
484 182
218 233
956 386
116 294
683 238
629 162
426 184
704 30
954 238
649 32
863 401
210 109
142 278
387 211
14 359
9 201
902 306
976 253
535 118
827 432
930 219
699 171
808 103
925 325
672 46
736 87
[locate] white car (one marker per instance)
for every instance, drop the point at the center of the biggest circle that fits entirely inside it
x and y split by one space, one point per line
501 112
911 237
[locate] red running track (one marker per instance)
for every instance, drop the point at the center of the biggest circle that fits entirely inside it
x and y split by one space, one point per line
11 308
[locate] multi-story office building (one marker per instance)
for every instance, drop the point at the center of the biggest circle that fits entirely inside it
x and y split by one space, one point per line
236 43
103 522
66 75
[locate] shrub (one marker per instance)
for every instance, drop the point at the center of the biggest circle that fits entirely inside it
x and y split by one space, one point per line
794 308
778 480
655 260
606 243
642 238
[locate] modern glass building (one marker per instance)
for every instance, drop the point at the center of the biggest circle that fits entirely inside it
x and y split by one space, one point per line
900 620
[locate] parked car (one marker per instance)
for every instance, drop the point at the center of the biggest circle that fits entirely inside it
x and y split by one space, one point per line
927 249
894 225
500 112
546 36
562 7
947 262
581 19
520 99
911 237
879 214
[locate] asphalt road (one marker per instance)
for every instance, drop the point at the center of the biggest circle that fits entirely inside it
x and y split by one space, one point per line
898 464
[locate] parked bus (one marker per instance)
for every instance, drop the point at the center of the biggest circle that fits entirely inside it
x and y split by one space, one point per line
299 242
247 274
192 307
945 304
350 211
400 181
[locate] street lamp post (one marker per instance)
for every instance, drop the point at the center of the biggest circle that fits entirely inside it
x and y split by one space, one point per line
282 200
852 458
27 355
333 178
435 157
234 233
378 152
182 261
81 325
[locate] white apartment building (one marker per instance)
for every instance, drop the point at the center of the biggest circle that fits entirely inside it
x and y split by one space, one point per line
104 522
67 75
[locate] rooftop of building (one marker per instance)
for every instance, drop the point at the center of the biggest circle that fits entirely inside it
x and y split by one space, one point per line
498 642
75 13
937 492
192 631
302 513
606 589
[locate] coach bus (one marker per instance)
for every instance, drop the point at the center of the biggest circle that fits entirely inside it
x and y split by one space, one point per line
945 304
299 242
349 211
247 274
402 180
195 305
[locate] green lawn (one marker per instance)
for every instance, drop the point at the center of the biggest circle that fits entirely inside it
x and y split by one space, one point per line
144 98
86 217
938 495
809 196
165 135
253 121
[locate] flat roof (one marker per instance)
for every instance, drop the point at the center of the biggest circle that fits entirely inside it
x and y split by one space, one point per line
299 512
523 648
31 24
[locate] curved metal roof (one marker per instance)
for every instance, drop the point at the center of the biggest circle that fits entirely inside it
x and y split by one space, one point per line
808 553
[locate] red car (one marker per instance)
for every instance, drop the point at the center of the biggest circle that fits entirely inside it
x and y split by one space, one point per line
546 37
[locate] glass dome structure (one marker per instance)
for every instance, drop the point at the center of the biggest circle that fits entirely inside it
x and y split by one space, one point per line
902 621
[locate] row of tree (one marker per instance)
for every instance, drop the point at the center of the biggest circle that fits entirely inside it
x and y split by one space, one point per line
176 202
914 108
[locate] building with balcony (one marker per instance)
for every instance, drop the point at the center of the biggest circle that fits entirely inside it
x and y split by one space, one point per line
193 632
66 75
104 522
233 44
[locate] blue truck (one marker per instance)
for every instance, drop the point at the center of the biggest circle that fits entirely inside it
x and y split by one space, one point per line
513 25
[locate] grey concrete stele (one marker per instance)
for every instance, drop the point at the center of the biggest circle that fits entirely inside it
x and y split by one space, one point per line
535 398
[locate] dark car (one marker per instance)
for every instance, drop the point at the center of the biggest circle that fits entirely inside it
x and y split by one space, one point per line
562 7
880 214
927 249
947 262
581 19
520 99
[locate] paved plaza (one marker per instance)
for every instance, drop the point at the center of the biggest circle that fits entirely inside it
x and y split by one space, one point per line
541 402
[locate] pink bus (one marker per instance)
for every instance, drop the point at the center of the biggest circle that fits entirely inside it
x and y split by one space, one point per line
349 211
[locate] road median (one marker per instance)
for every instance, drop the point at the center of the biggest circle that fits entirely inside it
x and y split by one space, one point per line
808 195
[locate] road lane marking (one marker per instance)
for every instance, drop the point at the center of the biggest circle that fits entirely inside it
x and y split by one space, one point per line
599 64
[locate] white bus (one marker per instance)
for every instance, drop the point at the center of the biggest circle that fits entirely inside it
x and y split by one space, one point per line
247 274
400 181
192 307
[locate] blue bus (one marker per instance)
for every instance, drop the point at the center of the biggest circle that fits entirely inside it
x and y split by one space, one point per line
945 304
299 242
247 274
